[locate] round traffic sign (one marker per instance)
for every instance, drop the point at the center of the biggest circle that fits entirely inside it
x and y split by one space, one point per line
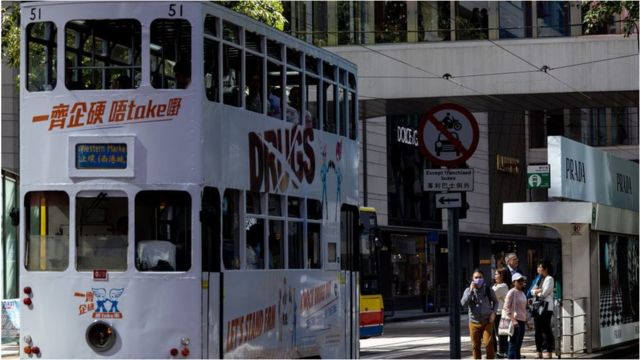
448 135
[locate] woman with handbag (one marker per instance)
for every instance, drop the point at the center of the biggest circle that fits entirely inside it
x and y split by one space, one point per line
542 321
515 309
500 288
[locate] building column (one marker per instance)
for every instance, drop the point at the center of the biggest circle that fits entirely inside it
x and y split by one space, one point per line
332 23
369 22
412 21
575 17
452 19
494 20
534 19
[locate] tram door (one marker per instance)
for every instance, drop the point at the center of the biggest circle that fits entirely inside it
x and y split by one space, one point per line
211 275
349 266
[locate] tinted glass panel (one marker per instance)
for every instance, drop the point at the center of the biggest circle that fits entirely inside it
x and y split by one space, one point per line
47 231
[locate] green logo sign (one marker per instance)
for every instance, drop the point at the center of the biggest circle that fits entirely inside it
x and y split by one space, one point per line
538 177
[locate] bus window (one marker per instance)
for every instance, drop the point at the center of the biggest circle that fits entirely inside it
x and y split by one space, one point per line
329 123
47 231
296 241
294 96
232 75
170 54
276 244
41 56
342 111
210 222
275 89
313 246
102 228
231 229
211 76
255 242
313 99
102 54
254 86
163 231
353 121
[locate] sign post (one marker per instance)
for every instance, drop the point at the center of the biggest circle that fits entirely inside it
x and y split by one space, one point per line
448 135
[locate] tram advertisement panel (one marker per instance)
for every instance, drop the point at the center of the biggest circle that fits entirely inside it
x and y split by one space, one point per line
282 315
618 289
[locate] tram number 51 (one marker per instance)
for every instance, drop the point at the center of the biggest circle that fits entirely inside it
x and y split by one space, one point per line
36 14
172 10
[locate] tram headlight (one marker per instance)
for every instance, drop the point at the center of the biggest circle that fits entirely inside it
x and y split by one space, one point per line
101 336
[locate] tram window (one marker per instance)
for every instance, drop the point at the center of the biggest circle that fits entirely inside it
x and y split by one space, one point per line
353 121
275 205
163 231
102 228
275 88
274 49
211 25
47 231
342 111
276 244
232 75
231 229
296 242
254 89
332 252
170 48
313 246
311 64
254 202
210 222
211 76
328 71
292 114
253 41
231 32
255 243
293 57
352 81
313 99
314 209
102 54
41 56
329 123
294 205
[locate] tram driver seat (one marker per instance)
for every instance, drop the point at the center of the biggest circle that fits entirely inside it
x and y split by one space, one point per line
156 255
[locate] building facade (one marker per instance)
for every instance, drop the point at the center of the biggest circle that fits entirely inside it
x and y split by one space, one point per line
525 69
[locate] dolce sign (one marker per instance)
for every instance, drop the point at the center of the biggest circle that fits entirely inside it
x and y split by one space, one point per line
590 174
407 136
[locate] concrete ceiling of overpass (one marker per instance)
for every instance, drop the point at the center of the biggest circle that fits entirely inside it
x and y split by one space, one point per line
371 108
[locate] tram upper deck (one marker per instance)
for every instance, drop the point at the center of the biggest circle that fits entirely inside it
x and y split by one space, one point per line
184 92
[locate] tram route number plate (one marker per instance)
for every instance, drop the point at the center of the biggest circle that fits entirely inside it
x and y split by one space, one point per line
100 275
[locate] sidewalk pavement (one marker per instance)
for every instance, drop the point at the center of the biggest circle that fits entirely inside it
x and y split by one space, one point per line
528 349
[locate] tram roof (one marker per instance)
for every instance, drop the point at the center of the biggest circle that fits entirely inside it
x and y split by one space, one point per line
233 16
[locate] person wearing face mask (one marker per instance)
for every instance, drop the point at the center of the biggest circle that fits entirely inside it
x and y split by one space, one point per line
483 304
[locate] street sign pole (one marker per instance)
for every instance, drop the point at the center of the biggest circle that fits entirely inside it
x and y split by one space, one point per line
454 282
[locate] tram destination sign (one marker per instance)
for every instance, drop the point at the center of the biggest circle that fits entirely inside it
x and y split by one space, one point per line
101 156
448 180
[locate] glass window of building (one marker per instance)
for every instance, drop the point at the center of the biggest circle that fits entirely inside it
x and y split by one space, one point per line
102 229
170 54
41 56
408 204
552 18
163 230
515 19
345 21
391 21
472 20
103 54
434 20
47 231
320 23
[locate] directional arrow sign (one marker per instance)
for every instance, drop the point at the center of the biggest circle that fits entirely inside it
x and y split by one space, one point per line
448 200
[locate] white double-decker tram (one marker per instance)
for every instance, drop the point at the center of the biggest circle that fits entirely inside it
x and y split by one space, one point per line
189 180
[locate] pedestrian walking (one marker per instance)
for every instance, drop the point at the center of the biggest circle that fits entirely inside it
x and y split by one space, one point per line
543 292
515 308
483 305
500 288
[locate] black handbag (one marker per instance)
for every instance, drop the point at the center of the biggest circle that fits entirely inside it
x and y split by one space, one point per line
538 307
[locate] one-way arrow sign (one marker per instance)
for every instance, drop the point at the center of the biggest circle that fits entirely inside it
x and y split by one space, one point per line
448 200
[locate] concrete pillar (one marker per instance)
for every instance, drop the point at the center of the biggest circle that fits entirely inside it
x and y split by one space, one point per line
494 20
534 19
368 22
452 19
332 23
575 18
412 21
